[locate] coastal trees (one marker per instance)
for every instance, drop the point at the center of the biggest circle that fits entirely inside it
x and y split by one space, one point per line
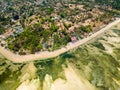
50 10
116 4
62 14
53 28
2 29
60 41
86 29
27 40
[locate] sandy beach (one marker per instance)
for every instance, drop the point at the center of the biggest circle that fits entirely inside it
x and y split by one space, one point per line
44 55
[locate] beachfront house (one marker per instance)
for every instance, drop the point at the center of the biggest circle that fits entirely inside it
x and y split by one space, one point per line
73 39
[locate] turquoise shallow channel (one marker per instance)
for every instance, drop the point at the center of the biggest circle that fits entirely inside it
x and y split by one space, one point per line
97 62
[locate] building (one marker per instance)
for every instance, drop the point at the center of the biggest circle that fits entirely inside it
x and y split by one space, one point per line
18 29
8 33
73 39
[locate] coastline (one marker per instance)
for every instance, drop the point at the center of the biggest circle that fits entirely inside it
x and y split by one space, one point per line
44 55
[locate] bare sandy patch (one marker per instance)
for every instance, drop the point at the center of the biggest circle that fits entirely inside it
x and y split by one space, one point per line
72 82
30 85
28 72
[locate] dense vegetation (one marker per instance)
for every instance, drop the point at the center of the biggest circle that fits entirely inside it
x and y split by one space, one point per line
114 3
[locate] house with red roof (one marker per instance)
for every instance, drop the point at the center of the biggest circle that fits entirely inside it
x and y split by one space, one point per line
73 39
